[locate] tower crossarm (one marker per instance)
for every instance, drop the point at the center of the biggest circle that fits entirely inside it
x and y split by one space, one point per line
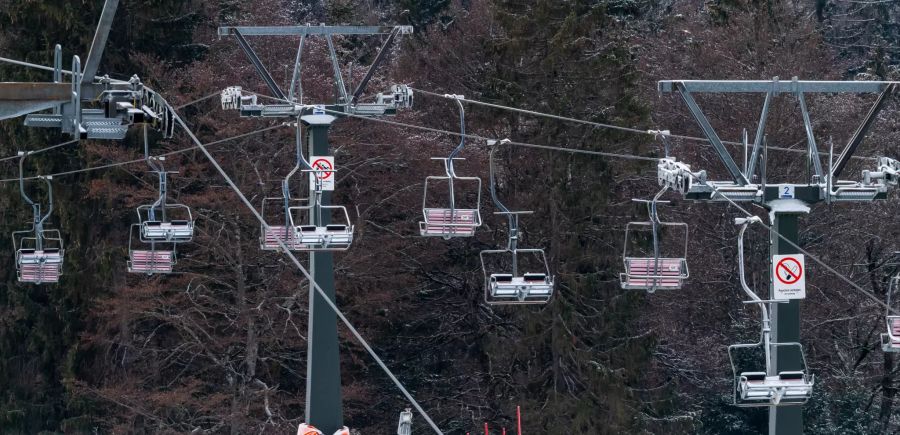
386 103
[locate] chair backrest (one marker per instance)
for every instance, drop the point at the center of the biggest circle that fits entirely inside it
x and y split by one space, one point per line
508 282
459 193
320 216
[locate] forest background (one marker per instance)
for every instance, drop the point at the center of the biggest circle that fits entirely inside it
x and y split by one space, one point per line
220 346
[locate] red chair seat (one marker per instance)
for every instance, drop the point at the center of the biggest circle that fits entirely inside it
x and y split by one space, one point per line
151 261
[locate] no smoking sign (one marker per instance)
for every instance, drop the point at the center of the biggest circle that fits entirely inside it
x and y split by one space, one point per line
789 276
323 168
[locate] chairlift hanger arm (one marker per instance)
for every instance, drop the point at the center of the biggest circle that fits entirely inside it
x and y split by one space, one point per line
38 219
451 172
301 163
49 200
22 178
260 68
493 183
893 285
462 131
150 160
745 223
652 205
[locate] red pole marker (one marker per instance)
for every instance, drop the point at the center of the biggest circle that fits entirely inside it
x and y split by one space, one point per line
519 418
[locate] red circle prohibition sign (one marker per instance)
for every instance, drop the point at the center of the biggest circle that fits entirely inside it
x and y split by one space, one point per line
789 270
325 166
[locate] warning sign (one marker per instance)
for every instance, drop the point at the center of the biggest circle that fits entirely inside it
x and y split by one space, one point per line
324 171
789 272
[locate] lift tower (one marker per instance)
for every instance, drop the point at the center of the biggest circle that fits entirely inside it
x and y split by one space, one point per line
324 408
785 201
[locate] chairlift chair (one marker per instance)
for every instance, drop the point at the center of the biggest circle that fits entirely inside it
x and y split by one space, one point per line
39 251
653 272
149 261
321 232
159 224
758 388
890 341
164 221
512 287
447 219
767 387
39 255
283 228
318 232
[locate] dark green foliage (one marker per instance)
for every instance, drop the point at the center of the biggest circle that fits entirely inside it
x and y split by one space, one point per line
421 13
842 412
551 54
585 364
722 417
40 326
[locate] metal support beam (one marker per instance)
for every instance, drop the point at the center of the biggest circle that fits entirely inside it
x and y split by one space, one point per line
804 192
260 68
57 72
324 408
25 91
785 420
57 64
710 134
310 30
760 134
378 59
295 77
92 63
860 133
338 78
760 86
810 139
17 99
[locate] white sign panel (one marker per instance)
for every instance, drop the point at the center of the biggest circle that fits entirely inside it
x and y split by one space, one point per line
789 276
324 170
786 191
